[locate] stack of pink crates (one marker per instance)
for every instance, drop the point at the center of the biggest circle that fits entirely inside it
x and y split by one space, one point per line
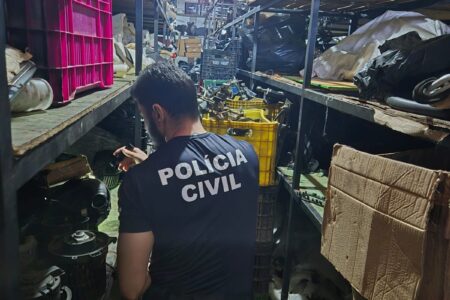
71 41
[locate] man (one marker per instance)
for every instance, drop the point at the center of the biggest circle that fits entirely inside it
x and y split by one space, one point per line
190 207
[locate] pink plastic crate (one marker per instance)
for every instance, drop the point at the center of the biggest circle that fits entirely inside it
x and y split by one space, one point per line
72 41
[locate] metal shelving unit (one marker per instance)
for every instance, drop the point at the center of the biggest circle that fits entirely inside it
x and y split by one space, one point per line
30 141
423 127
315 216
56 129
148 13
431 129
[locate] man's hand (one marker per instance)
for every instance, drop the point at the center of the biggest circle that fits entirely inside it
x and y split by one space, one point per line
132 157
133 257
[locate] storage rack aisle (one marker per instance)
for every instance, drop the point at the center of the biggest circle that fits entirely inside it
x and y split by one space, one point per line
417 126
28 142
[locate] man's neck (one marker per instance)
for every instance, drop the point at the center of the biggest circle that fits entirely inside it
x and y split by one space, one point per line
186 127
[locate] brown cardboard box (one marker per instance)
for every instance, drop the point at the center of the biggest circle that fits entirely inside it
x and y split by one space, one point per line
386 226
181 47
193 41
193 55
193 46
194 50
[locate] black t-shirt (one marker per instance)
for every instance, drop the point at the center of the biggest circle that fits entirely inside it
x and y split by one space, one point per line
198 195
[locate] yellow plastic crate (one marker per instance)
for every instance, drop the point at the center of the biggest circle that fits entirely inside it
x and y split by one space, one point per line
262 135
270 110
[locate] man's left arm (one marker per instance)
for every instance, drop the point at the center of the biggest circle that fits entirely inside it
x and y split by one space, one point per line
133 256
136 240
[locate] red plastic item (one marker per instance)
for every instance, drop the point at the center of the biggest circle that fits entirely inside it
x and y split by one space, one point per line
72 41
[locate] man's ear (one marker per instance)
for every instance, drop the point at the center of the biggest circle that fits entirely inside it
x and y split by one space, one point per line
158 112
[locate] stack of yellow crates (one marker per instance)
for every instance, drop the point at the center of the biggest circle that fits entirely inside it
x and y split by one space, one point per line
260 132
270 110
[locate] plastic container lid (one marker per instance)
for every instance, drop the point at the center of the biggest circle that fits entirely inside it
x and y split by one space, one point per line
79 244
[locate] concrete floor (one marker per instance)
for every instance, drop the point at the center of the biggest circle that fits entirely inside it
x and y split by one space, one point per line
111 225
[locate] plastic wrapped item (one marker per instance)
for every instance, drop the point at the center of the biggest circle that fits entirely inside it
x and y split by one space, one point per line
124 31
37 94
14 59
344 60
404 63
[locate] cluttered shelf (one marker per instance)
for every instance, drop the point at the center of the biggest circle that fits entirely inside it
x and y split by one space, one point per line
346 6
39 137
311 197
433 129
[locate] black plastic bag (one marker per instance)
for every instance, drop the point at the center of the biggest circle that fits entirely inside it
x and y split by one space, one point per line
280 47
283 58
404 62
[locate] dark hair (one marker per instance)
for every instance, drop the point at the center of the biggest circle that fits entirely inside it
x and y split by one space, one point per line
167 85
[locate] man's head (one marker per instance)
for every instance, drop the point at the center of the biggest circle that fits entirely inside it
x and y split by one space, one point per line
166 97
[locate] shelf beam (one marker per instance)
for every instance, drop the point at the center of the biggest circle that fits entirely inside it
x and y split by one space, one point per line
248 14
294 90
434 130
361 112
38 157
290 11
315 217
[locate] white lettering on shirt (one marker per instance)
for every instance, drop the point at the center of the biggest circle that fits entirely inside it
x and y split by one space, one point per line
240 157
213 190
187 168
217 165
184 193
225 184
165 174
208 165
233 184
197 170
231 159
201 189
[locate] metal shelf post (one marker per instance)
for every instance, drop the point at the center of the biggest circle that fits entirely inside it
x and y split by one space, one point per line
165 34
298 166
156 29
139 29
255 46
9 229
233 33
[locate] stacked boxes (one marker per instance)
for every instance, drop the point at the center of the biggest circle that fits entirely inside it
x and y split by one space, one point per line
190 47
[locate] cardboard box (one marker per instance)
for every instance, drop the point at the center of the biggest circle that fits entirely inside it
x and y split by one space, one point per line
193 41
181 47
386 226
194 50
193 46
193 55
